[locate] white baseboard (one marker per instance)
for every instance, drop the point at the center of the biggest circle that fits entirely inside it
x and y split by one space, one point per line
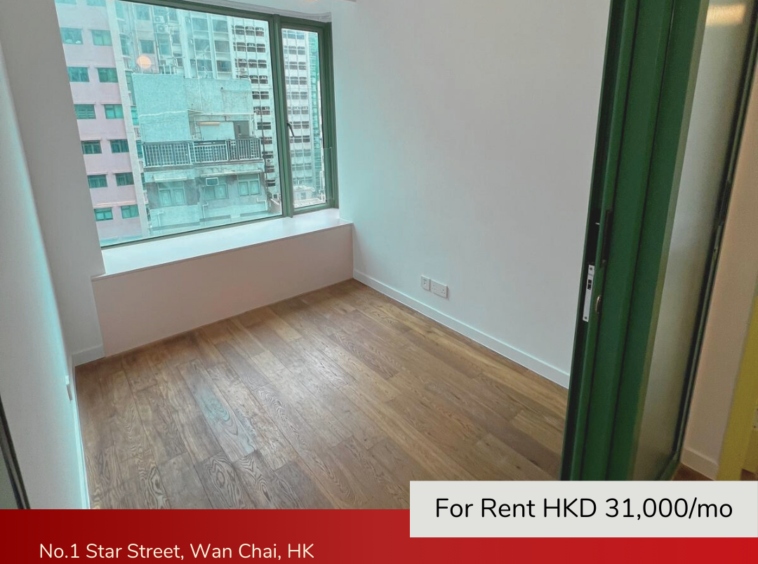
542 368
700 463
87 355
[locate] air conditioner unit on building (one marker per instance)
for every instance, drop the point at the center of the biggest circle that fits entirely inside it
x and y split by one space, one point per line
160 19
211 181
161 28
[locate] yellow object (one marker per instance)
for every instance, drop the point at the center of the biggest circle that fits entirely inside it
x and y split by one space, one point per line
741 440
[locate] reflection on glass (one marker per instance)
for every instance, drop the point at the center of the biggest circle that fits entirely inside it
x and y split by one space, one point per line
302 74
182 104
713 110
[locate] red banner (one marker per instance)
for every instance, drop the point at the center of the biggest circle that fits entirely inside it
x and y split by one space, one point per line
327 536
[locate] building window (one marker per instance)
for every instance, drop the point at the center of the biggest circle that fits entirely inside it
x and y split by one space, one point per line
147 47
114 111
200 24
142 11
107 75
128 212
97 181
249 186
65 1
119 146
103 214
218 192
221 46
96 3
224 66
91 147
204 65
124 179
135 115
126 47
220 26
171 195
71 36
84 111
101 37
164 45
78 74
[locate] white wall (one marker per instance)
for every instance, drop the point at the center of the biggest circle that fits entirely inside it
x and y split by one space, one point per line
191 293
730 310
34 365
466 136
38 80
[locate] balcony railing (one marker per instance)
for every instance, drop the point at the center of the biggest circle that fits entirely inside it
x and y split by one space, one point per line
188 153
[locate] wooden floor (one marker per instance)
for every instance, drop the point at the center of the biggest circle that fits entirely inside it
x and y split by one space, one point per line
338 398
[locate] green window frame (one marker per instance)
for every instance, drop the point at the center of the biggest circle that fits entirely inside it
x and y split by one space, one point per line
114 111
78 74
107 74
72 36
103 214
85 111
101 37
97 180
92 148
129 212
124 179
119 146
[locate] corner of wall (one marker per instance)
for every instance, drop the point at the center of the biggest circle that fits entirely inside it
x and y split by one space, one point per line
534 364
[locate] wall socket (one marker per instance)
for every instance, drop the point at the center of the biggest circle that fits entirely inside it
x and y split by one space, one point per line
426 283
439 289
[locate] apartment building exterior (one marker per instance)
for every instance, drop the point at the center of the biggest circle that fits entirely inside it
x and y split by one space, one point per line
224 64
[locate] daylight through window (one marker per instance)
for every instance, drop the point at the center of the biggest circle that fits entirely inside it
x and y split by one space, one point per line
178 117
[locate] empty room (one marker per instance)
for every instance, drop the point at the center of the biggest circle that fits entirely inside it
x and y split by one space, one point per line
298 254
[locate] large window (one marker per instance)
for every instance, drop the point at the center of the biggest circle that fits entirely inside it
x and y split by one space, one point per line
204 137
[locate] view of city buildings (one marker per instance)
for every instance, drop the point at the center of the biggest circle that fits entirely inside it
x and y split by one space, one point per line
176 116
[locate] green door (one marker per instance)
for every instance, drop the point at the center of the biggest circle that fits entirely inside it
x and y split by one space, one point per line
658 199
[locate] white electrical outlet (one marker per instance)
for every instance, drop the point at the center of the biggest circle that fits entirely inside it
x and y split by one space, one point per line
439 289
426 283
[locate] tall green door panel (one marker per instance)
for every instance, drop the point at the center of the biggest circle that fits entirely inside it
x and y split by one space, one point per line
645 248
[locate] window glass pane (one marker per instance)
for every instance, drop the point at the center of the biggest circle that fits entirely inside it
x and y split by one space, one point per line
128 212
84 111
78 74
100 37
71 36
119 146
91 147
124 179
107 75
97 181
114 111
302 72
198 146
103 214
95 2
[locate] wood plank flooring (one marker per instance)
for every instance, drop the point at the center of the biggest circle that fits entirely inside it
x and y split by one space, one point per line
335 399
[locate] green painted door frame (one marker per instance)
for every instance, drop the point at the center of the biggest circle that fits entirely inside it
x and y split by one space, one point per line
652 57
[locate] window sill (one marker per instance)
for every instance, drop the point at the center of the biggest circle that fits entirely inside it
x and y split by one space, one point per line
159 252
